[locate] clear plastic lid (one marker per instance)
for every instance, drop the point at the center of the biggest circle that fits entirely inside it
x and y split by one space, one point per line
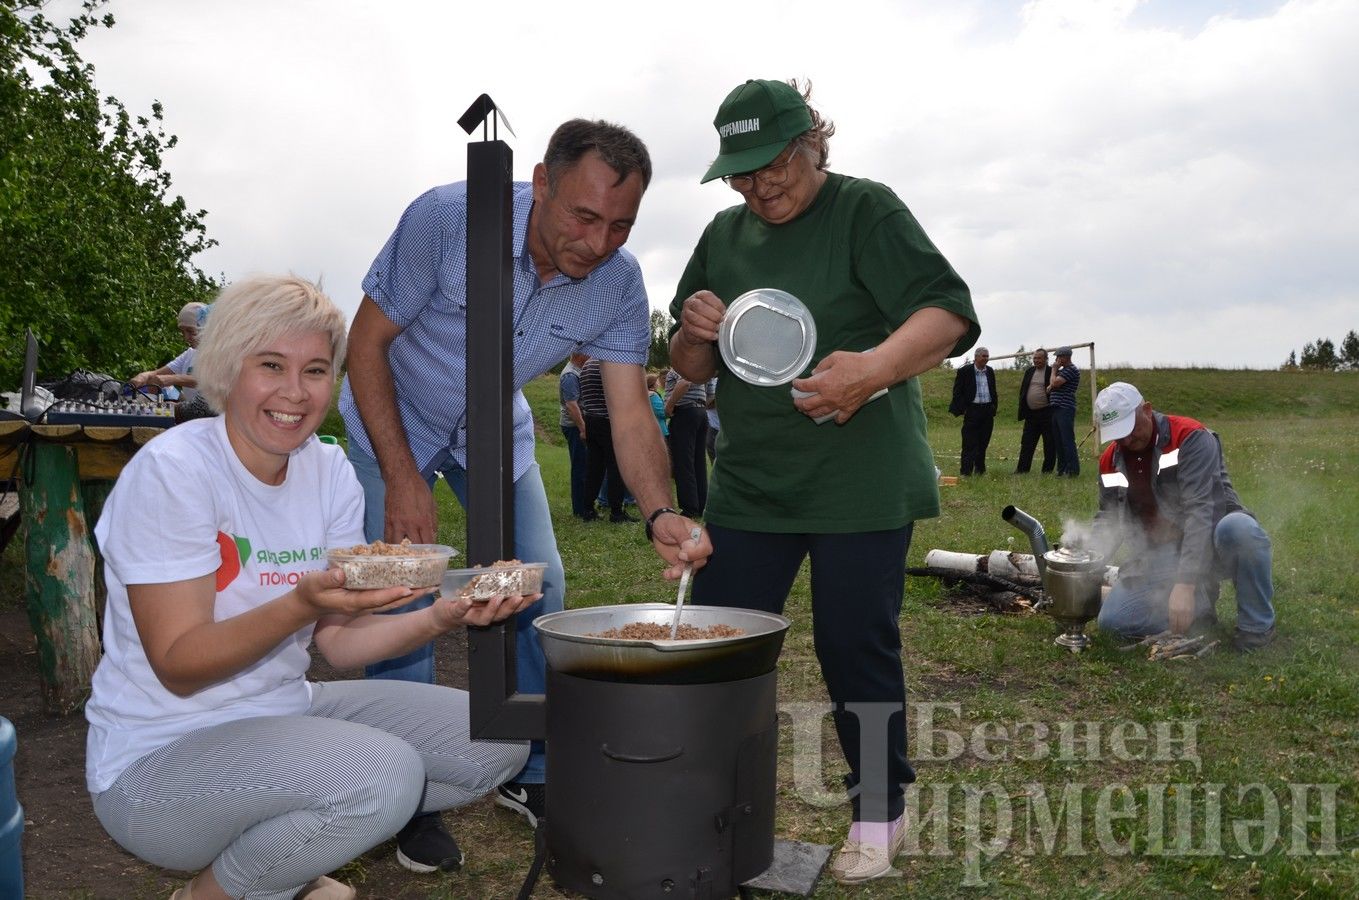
767 337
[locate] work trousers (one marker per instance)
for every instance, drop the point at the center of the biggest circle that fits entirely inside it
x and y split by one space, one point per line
688 458
274 802
978 421
858 580
1037 424
1140 605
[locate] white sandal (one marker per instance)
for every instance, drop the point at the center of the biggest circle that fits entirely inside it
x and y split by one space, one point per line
856 862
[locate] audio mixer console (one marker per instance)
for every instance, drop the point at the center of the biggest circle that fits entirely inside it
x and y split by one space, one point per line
111 413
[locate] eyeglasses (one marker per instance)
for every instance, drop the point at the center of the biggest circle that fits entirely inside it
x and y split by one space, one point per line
772 174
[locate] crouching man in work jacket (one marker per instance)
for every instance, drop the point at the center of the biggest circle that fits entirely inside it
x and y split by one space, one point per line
1164 488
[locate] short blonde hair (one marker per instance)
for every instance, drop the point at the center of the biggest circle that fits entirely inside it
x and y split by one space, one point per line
254 313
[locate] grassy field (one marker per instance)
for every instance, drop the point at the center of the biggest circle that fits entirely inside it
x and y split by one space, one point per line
1047 774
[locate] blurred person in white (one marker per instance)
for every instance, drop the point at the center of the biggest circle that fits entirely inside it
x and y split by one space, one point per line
178 373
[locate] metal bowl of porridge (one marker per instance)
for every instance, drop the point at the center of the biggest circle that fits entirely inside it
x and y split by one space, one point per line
573 643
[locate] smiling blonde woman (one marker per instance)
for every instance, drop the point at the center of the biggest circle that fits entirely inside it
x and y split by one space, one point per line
208 749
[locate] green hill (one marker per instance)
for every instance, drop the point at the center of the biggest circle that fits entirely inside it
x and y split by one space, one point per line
1210 395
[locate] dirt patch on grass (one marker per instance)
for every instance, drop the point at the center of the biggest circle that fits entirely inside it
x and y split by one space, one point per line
976 600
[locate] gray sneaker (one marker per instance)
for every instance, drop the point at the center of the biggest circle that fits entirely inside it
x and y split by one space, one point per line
1250 641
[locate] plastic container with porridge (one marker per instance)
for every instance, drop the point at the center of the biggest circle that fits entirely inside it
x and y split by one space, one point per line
507 578
381 565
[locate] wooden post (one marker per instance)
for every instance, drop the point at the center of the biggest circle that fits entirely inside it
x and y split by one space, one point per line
1094 394
59 575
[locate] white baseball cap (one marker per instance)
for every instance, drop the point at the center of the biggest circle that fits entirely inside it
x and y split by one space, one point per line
1116 408
191 314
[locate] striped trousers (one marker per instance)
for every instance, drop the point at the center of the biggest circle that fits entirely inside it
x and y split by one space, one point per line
273 802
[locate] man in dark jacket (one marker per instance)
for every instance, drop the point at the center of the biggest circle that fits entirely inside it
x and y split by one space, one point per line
974 398
1035 411
1164 488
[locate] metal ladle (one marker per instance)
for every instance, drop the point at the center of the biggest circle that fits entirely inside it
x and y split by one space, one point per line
684 586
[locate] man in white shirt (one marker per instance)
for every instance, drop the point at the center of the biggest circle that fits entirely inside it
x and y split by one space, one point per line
974 398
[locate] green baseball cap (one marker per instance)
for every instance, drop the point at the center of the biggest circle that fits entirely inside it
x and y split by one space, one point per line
755 123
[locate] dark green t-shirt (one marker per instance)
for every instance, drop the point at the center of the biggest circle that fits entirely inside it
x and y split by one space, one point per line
862 265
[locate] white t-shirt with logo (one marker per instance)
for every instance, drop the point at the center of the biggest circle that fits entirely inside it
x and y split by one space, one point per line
185 507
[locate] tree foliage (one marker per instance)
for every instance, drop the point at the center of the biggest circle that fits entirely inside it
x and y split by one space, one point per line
658 358
1349 351
97 252
1322 355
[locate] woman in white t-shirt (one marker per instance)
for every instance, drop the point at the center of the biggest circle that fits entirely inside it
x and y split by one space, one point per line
208 749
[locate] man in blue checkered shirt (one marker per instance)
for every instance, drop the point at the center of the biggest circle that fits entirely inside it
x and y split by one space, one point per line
404 400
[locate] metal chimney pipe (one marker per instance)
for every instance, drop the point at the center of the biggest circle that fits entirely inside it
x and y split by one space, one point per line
1034 529
497 709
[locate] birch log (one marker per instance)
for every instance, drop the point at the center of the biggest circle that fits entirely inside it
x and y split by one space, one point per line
1005 563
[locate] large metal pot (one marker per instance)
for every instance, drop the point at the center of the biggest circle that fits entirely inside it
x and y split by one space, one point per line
570 647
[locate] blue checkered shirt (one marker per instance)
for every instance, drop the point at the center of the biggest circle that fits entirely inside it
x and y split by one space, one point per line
419 281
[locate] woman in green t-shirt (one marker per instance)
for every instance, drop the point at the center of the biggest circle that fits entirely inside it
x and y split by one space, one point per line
845 494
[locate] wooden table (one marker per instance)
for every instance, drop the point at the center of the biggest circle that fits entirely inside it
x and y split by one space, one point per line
65 473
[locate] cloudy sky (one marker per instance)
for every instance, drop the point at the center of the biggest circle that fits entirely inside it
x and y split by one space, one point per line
1174 180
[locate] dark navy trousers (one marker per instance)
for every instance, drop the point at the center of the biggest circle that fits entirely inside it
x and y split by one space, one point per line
858 580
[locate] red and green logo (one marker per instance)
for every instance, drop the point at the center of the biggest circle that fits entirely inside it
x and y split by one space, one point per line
233 550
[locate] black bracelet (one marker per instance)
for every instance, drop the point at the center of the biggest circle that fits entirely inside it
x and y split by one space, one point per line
656 514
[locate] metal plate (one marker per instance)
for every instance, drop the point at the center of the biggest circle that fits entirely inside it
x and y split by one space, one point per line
767 337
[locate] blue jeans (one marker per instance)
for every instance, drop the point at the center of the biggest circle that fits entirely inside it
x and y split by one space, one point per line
602 498
1140 604
534 541
1068 457
577 453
